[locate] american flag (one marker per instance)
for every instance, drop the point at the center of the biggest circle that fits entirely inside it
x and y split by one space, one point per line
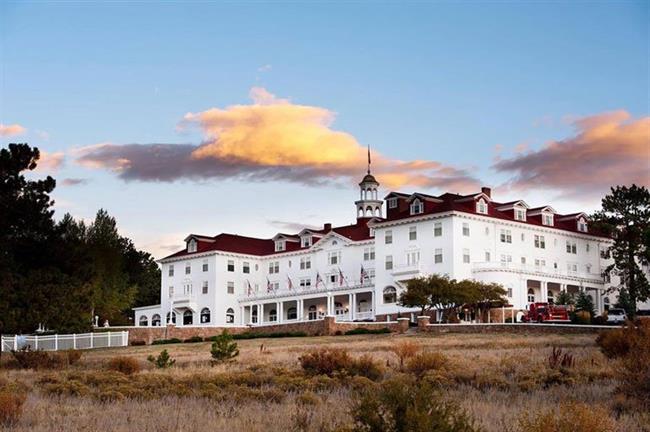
268 286
250 289
318 279
290 284
364 274
341 277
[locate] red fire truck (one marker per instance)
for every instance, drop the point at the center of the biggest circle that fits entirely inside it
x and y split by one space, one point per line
544 312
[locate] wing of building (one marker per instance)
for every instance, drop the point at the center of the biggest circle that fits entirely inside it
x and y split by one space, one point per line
357 271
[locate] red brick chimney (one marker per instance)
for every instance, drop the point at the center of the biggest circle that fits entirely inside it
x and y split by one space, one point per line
487 191
327 227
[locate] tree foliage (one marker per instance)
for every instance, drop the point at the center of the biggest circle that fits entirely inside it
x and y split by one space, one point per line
625 216
224 348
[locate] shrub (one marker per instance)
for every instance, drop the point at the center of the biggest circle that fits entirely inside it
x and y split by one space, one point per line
403 404
163 361
559 359
365 331
423 362
224 349
11 406
622 341
166 341
581 317
573 417
28 359
125 365
405 350
325 361
138 342
194 339
365 366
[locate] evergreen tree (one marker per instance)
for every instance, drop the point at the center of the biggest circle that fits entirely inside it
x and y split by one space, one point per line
625 302
224 348
564 298
585 303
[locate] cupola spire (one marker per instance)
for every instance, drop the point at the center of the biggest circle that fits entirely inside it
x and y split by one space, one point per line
369 205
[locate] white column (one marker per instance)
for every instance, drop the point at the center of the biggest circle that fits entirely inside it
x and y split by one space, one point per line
277 312
260 313
544 289
329 305
354 306
280 312
350 307
301 309
372 304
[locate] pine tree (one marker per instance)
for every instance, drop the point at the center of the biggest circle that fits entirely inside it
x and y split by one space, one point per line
224 348
585 303
564 298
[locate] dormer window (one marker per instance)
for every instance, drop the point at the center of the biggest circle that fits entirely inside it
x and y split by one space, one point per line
481 206
582 225
520 214
306 241
191 246
547 219
280 245
417 207
392 202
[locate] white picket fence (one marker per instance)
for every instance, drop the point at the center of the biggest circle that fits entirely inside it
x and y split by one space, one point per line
58 342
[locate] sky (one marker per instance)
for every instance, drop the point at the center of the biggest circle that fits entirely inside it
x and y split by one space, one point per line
255 118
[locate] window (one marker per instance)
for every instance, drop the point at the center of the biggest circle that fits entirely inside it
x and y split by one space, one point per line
466 229
231 266
273 315
540 243
155 320
171 291
392 202
369 254
144 321
547 219
487 231
506 236
587 247
280 245
412 258
305 263
523 260
582 225
187 289
413 233
531 295
305 283
171 318
520 215
230 287
505 259
487 256
188 268
246 267
230 316
204 287
604 253
417 207
523 237
292 313
205 265
306 241
481 206
188 317
274 267
171 270
390 295
205 315
540 262
509 292
333 278
334 258
437 256
312 314
388 237
572 267
389 262
273 286
588 268
466 256
437 229
191 246
571 247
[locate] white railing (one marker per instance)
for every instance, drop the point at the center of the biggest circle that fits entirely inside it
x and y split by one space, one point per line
58 342
534 269
322 288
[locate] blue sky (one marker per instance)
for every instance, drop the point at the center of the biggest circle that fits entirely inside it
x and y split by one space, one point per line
456 83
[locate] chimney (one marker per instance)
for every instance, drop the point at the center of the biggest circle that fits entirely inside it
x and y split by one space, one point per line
487 191
327 227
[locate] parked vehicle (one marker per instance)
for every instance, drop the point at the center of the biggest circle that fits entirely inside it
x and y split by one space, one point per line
616 316
545 312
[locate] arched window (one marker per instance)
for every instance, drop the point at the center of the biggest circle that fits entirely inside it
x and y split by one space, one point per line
531 295
292 313
254 315
338 308
550 297
312 314
205 315
188 317
368 211
144 321
273 315
390 294
173 318
155 320
230 316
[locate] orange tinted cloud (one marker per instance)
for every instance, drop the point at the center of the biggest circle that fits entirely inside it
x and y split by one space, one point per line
48 162
608 149
270 139
11 130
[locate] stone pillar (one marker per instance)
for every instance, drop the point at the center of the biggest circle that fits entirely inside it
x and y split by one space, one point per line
329 323
402 324
423 322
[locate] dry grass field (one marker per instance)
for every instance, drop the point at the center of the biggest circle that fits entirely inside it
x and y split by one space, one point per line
503 382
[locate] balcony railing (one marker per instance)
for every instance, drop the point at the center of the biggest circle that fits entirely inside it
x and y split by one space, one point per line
406 269
299 291
534 269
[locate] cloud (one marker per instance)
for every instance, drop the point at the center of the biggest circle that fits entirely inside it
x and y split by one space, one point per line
49 162
265 68
11 130
270 139
74 181
608 149
292 226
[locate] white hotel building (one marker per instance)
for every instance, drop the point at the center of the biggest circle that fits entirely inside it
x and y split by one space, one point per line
357 271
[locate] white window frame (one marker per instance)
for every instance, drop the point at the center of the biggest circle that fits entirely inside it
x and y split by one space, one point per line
417 207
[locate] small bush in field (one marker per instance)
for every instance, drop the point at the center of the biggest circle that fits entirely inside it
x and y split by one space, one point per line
559 359
623 341
163 361
423 362
28 359
573 417
325 361
11 406
404 404
405 350
223 348
125 365
365 366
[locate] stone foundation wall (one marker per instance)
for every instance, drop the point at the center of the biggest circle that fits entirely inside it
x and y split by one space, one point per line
512 328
